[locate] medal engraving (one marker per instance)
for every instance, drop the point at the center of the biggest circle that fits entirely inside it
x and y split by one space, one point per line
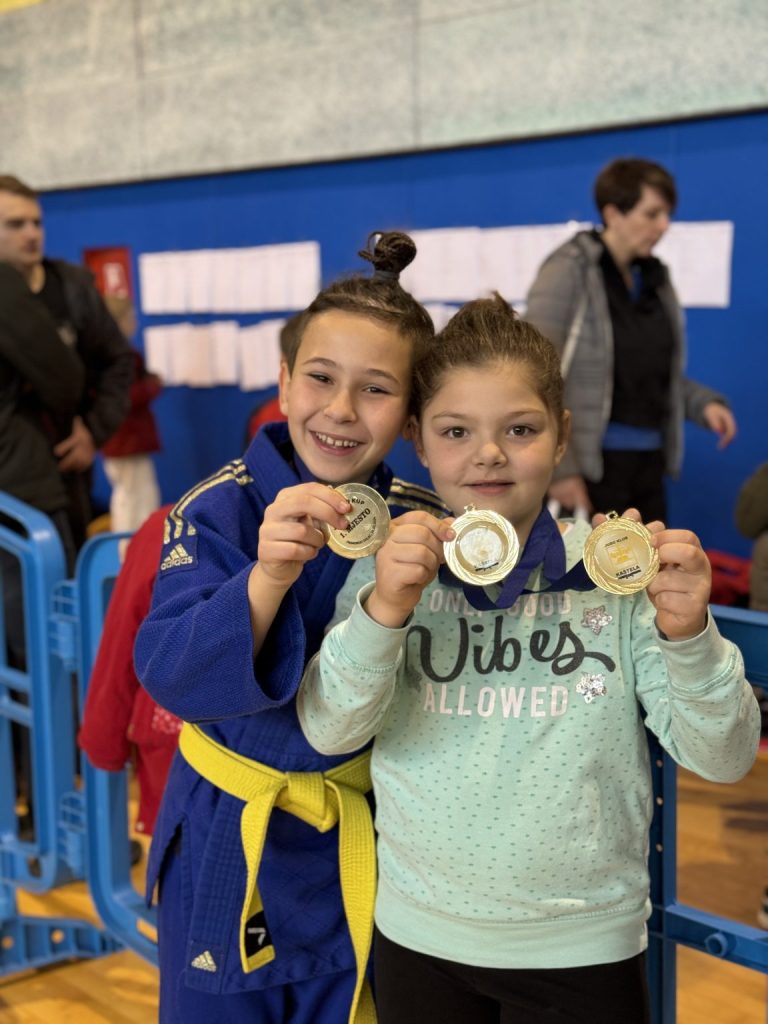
485 548
368 523
619 556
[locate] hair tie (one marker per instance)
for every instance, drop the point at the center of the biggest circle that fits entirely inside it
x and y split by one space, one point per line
385 275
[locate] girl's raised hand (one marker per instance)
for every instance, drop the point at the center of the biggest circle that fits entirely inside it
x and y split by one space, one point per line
405 564
290 533
680 592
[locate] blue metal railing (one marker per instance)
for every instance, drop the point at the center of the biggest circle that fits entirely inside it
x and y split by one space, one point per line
672 922
119 905
36 704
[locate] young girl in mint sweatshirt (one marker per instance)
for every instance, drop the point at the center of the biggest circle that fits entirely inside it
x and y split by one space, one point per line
510 762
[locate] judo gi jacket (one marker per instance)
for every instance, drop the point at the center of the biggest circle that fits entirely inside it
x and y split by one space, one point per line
194 654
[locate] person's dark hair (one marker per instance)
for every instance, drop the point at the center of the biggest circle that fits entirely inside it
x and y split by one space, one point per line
484 332
9 183
621 183
379 297
288 334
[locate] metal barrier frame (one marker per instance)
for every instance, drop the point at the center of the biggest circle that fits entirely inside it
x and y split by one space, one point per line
673 922
56 852
120 906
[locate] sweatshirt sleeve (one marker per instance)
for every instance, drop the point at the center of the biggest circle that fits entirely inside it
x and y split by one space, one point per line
194 651
697 698
696 397
349 685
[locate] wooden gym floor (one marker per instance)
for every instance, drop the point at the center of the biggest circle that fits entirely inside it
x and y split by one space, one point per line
722 868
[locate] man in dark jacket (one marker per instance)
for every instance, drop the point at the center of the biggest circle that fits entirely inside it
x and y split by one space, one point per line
41 387
68 296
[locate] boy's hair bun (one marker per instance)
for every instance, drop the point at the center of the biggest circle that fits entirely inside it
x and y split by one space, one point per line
390 252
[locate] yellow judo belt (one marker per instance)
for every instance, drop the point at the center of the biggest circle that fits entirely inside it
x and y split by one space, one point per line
321 799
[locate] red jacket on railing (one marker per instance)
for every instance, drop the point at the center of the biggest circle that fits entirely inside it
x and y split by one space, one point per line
137 434
121 721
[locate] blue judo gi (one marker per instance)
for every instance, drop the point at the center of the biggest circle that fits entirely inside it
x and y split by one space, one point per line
194 656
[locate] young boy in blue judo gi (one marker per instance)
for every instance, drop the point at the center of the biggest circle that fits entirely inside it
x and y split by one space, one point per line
254 879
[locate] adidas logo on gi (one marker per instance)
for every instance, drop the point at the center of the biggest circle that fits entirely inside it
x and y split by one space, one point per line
178 556
205 962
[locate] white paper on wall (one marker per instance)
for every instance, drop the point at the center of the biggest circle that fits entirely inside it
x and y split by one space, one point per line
270 345
225 366
251 289
458 264
225 280
198 271
275 270
256 279
454 265
183 371
162 282
259 354
511 256
169 343
699 255
158 354
196 353
304 278
447 267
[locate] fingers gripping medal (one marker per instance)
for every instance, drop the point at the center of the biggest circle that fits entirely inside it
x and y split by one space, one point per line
368 523
619 556
485 549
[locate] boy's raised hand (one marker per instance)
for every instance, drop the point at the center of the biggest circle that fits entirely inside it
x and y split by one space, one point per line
405 564
290 533
680 592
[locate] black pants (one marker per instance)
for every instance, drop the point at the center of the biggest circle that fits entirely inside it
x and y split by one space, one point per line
412 988
631 480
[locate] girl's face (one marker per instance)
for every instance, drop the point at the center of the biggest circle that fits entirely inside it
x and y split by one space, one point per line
347 397
489 440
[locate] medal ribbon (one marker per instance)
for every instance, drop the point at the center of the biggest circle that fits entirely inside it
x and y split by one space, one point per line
544 548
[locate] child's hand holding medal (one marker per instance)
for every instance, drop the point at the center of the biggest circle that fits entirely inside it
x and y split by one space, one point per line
293 530
405 564
623 556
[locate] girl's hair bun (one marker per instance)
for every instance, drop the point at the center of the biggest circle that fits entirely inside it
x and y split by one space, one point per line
390 252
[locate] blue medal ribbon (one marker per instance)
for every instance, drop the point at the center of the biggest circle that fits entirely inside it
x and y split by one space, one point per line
544 548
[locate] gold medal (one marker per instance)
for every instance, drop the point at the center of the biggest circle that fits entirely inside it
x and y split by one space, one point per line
368 523
619 556
485 548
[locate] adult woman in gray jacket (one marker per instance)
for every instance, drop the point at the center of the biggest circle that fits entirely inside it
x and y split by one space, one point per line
609 307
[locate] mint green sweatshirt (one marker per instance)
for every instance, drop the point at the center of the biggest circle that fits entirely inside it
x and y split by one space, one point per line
510 763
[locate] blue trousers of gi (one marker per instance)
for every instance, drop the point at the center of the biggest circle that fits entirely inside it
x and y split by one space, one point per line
321 1000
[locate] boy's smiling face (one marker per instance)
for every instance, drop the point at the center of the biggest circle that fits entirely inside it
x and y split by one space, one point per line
346 399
